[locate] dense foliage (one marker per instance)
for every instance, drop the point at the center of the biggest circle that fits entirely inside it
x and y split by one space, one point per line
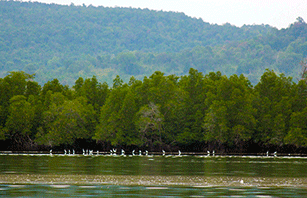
194 111
72 41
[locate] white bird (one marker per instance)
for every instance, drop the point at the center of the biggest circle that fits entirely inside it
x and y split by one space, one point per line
140 152
133 152
163 152
179 153
267 153
50 151
83 151
73 151
213 153
208 153
97 152
65 152
123 152
69 152
275 154
241 181
146 152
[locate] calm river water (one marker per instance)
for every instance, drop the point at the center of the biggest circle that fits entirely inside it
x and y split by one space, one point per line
151 176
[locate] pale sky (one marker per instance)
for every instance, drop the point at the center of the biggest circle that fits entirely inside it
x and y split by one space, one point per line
277 13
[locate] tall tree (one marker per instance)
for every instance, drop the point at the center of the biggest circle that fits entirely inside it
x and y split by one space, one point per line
15 83
19 122
230 117
297 134
274 106
163 91
66 121
110 127
149 123
192 107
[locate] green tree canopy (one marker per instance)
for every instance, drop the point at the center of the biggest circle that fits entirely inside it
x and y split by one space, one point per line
66 121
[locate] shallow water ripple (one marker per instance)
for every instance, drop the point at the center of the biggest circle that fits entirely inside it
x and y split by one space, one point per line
145 191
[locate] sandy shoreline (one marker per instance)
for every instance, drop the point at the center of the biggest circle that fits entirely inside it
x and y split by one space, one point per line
129 180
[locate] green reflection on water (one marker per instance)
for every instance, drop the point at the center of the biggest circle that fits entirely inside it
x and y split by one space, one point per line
151 176
154 165
145 191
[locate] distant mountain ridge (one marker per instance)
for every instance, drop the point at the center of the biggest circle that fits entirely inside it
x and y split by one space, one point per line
66 42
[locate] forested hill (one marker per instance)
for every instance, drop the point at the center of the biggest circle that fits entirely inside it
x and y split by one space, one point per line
67 42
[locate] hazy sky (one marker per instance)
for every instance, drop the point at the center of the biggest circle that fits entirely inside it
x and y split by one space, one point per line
277 13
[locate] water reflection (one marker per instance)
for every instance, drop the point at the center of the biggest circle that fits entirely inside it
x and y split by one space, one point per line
151 176
153 165
144 191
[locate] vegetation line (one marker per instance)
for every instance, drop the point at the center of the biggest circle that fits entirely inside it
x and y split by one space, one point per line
193 113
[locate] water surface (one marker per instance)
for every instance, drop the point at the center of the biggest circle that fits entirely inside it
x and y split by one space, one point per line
151 176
